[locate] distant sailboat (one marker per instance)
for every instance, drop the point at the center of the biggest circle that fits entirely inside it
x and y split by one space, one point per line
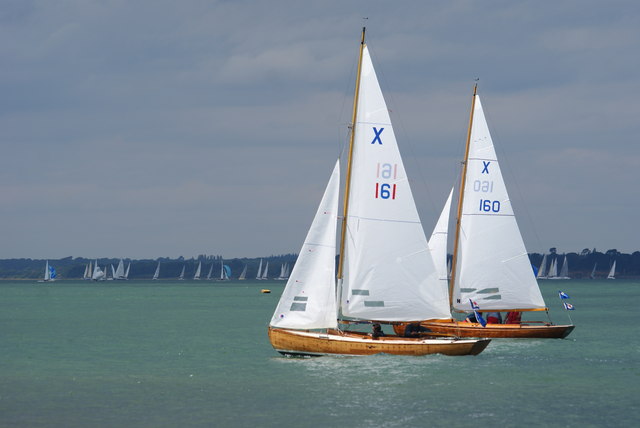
243 275
181 277
126 274
543 268
49 273
564 271
612 272
265 273
210 271
119 273
196 276
156 275
98 274
259 275
553 270
88 271
225 271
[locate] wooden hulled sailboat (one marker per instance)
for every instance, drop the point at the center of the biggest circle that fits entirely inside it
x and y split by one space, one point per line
490 263
385 271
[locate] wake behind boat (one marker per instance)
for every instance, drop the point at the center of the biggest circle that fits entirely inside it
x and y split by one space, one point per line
385 272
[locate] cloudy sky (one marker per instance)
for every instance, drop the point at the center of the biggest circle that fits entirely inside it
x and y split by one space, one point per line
161 128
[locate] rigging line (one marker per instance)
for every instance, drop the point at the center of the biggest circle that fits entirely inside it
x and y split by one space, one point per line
495 134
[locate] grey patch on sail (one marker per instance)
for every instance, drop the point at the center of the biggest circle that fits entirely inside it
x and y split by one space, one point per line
300 298
489 290
374 303
467 290
494 297
298 307
360 292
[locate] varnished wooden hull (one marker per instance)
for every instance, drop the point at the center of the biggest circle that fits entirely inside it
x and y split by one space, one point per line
294 342
522 331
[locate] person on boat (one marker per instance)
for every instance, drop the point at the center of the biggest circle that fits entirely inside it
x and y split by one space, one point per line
415 330
471 318
494 318
377 331
513 317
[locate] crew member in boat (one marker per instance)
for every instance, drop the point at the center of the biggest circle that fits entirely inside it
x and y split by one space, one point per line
513 317
377 330
471 318
494 318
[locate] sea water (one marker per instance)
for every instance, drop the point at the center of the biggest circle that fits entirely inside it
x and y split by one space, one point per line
196 354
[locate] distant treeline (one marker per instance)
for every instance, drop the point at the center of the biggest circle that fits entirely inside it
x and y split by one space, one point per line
73 268
580 265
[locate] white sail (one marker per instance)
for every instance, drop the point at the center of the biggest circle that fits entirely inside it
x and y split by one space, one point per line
47 273
196 276
553 269
126 274
593 272
564 271
389 273
438 243
119 272
157 272
259 275
543 268
210 271
90 273
265 274
612 272
309 298
493 267
243 275
98 274
181 277
86 270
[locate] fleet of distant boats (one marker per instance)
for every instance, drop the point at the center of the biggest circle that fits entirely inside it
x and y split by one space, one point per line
95 272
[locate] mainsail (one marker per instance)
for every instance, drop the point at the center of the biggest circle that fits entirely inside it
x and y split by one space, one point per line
493 267
389 274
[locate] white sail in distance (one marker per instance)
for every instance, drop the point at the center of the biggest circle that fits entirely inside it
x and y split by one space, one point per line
309 298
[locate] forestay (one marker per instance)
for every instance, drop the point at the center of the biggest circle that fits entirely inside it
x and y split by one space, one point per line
389 274
493 266
309 298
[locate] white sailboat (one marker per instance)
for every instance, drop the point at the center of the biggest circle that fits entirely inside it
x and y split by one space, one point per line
98 274
553 270
564 270
543 268
49 273
181 277
612 272
491 266
593 272
126 274
259 275
265 273
385 271
210 271
196 276
119 273
224 274
156 274
243 274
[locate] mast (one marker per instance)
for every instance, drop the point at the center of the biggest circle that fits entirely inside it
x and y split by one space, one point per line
454 262
345 211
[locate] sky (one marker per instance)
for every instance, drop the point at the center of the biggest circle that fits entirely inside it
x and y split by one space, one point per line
155 128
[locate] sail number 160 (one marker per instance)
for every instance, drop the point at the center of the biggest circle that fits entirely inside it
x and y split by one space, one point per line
489 206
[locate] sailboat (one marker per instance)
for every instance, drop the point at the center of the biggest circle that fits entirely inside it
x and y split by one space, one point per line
564 270
210 271
543 268
156 274
593 272
385 271
181 277
491 268
196 276
265 273
88 271
612 272
126 274
119 273
553 269
98 274
243 274
225 271
49 273
259 275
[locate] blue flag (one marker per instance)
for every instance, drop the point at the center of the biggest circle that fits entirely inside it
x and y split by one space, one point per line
52 272
563 295
568 306
478 315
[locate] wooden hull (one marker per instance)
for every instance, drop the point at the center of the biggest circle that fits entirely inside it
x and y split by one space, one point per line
522 331
294 342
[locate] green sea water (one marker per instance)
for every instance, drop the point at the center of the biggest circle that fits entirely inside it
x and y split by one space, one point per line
196 354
